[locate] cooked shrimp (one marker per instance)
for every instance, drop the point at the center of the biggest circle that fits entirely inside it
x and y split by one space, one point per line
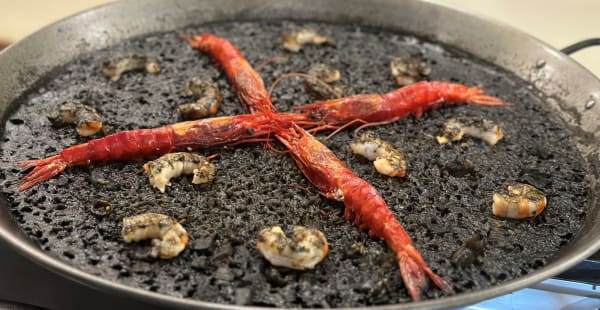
294 41
408 71
130 63
323 76
387 159
376 109
169 238
88 121
456 128
145 143
161 170
519 202
304 251
325 73
208 99
203 174
337 182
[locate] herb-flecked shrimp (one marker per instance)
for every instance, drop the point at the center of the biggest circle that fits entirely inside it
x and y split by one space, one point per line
361 199
169 238
520 201
294 41
86 119
130 63
208 99
386 158
146 143
161 170
324 83
408 70
304 251
456 128
376 109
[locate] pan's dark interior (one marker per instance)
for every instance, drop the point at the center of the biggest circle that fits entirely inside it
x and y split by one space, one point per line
439 205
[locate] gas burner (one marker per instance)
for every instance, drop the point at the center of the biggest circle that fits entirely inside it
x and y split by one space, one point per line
551 294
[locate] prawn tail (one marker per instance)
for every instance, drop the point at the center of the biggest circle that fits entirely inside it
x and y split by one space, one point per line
44 169
480 98
415 272
412 275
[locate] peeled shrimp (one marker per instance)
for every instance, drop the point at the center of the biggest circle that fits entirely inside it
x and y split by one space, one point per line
161 170
521 201
387 159
130 63
295 40
456 128
208 99
86 118
308 248
169 238
408 71
323 76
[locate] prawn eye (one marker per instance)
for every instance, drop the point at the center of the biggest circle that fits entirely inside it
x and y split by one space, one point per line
251 131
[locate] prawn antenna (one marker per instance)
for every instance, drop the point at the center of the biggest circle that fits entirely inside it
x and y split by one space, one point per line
136 172
298 74
300 187
271 60
215 155
348 124
367 124
269 146
182 36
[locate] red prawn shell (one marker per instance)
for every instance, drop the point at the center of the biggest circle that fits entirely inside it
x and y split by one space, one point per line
247 82
392 106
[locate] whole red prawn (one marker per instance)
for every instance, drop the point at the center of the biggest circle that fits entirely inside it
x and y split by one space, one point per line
376 109
144 143
338 182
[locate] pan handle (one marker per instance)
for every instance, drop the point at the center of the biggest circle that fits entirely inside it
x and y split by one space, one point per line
580 45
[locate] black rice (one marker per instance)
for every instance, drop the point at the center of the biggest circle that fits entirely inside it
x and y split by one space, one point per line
256 187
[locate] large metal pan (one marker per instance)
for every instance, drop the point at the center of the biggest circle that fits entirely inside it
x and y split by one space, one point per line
571 91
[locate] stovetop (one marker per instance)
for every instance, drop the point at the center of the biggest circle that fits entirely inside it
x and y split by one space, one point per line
549 294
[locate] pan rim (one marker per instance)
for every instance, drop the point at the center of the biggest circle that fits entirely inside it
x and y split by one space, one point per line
33 253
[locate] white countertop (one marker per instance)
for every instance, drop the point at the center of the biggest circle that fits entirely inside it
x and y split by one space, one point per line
558 23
